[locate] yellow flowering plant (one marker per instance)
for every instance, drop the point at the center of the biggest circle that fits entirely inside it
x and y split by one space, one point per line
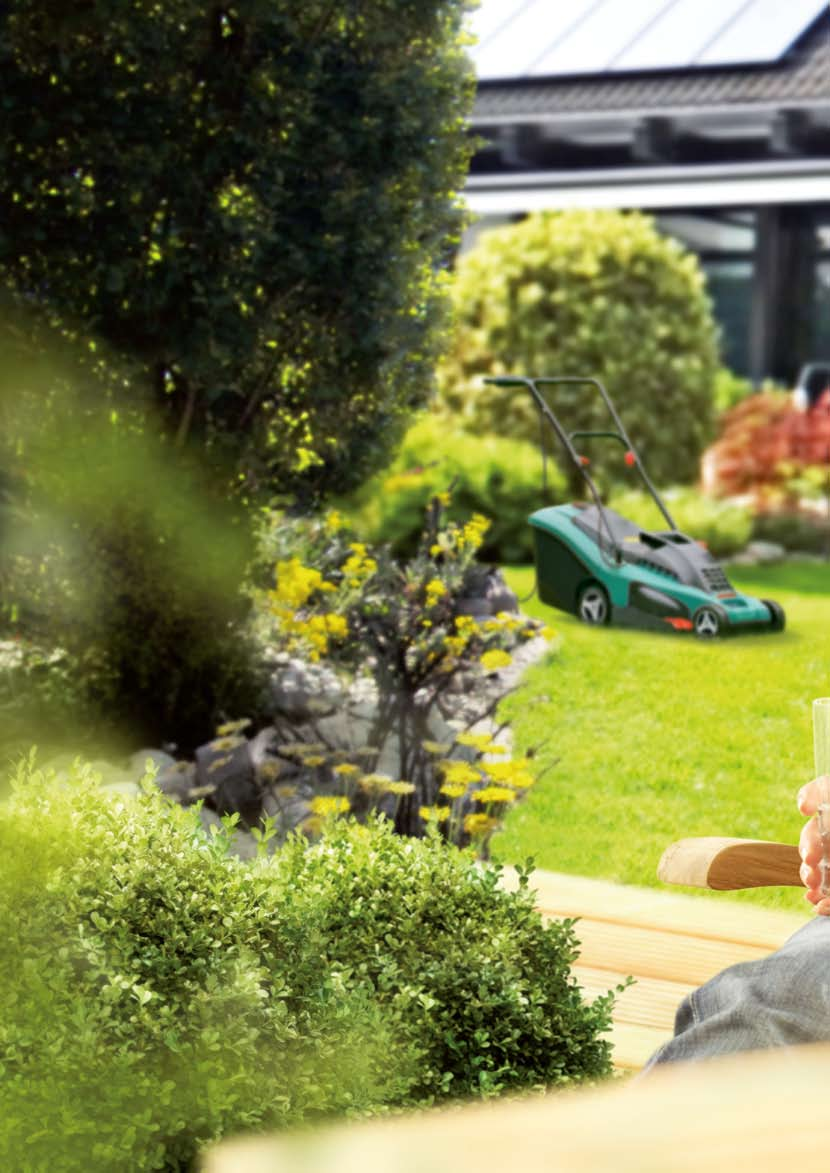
333 598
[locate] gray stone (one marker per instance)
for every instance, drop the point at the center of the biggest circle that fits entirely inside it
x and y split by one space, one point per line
302 691
765 552
178 781
224 769
158 757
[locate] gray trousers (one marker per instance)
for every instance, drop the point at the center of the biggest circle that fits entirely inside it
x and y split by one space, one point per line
779 1001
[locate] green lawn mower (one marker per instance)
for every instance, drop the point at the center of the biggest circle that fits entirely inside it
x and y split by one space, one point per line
597 565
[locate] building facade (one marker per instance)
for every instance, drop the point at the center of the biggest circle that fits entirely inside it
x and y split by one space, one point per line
715 118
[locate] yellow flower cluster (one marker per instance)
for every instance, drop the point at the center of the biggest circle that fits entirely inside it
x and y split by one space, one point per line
479 825
490 794
435 591
495 659
459 773
514 774
436 814
472 535
295 586
358 567
483 742
326 805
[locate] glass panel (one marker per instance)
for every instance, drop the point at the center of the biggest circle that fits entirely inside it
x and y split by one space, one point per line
729 284
763 31
677 35
536 25
607 30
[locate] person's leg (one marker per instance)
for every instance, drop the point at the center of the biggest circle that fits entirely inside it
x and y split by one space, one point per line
782 1000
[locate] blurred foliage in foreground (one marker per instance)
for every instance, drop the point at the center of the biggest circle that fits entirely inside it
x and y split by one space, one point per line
121 562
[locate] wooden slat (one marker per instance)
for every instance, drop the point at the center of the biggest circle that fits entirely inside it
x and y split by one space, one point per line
649 1002
716 917
634 1045
655 953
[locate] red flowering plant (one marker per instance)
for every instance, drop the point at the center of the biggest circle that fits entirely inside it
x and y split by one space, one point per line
403 624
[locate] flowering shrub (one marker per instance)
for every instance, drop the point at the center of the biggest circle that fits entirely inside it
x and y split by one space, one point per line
772 451
405 625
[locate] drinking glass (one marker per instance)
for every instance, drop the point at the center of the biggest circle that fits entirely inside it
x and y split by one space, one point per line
821 751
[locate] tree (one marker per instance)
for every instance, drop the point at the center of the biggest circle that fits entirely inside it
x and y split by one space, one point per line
597 294
251 202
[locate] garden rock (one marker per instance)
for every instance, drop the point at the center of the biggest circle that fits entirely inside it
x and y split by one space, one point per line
225 774
159 758
487 594
301 691
760 554
178 782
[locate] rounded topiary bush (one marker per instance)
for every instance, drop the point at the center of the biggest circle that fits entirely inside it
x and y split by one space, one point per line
587 293
157 993
498 477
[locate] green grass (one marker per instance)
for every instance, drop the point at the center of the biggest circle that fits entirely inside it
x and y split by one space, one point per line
653 737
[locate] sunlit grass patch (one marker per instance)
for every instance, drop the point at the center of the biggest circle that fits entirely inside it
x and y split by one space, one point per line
661 737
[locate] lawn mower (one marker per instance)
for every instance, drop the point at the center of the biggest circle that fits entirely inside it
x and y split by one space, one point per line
597 565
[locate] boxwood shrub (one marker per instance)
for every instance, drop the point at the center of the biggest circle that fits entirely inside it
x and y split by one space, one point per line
157 993
590 293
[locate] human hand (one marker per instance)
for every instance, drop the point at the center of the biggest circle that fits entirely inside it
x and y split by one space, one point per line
810 847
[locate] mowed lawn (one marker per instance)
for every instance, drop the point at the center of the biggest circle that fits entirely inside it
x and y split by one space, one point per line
651 738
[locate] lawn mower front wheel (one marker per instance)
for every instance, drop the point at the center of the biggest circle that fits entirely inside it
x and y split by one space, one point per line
707 623
592 605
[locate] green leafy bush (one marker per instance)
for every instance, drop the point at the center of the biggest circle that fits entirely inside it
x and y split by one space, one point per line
498 477
724 526
156 994
587 293
475 983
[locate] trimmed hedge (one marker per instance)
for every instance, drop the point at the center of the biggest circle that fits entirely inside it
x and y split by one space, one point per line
157 994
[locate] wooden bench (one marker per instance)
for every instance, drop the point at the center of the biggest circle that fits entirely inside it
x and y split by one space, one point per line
668 941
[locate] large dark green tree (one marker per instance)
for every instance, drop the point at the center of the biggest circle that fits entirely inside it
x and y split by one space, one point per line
250 202
232 219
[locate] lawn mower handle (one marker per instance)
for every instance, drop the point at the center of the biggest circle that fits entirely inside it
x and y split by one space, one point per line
566 438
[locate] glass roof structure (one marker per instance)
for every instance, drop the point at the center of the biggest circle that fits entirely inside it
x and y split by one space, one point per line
559 38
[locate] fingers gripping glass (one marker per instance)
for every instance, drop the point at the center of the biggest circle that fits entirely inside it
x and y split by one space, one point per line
821 749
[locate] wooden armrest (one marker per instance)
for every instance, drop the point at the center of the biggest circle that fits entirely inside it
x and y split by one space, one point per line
727 864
